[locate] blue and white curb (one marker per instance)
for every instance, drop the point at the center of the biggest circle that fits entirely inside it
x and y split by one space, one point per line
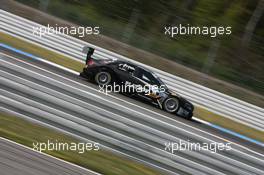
38 58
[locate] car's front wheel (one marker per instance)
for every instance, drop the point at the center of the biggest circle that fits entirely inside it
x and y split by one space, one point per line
103 78
171 104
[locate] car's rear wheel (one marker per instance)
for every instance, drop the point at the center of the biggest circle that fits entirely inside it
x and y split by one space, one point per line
103 78
171 104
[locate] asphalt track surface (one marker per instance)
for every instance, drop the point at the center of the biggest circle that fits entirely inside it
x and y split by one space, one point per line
16 159
135 126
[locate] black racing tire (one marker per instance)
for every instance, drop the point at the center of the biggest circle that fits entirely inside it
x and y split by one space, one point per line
103 78
171 104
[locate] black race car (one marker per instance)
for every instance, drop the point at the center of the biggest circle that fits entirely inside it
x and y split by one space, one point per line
136 81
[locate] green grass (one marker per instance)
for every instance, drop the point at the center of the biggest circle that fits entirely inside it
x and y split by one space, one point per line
27 133
41 52
199 112
227 123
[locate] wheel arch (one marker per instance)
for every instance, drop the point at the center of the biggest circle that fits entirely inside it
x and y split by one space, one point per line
107 69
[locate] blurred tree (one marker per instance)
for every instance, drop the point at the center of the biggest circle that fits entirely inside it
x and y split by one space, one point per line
141 23
252 23
43 5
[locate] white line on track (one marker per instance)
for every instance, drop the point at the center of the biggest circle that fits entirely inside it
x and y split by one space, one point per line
50 156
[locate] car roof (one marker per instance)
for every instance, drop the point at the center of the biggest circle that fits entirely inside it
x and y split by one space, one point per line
134 65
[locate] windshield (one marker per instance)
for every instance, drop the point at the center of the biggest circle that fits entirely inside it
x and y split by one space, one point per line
149 77
159 81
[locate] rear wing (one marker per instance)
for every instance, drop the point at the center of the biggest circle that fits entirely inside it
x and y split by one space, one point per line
89 52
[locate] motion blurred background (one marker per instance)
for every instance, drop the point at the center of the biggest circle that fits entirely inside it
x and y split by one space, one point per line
231 64
237 58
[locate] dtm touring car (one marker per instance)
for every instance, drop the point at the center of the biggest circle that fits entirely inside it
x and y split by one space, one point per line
136 81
